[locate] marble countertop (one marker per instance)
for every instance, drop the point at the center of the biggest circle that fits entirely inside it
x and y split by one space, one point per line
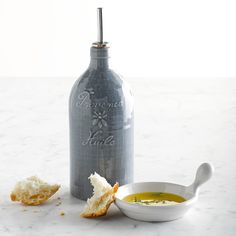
179 123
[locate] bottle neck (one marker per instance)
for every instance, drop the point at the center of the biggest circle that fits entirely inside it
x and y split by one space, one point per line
99 58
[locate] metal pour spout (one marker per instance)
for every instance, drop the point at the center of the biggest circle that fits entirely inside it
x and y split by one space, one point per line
100 43
100 26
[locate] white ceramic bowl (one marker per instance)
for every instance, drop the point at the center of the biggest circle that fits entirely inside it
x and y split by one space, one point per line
165 212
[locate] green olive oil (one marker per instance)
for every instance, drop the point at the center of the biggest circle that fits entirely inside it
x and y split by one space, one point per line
154 198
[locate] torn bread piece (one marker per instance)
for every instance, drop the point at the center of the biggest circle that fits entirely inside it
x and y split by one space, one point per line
103 196
33 191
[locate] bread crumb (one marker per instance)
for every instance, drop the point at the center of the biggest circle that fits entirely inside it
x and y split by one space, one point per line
59 203
62 213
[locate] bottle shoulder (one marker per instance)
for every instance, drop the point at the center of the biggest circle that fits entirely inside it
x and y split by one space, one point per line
100 81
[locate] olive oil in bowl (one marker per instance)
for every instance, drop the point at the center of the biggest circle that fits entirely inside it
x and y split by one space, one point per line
154 199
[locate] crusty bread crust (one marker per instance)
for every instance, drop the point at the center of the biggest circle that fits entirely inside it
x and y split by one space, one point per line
38 197
103 211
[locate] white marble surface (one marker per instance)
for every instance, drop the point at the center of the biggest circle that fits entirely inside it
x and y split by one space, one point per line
179 124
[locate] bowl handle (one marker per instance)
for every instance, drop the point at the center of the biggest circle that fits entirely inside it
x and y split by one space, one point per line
204 173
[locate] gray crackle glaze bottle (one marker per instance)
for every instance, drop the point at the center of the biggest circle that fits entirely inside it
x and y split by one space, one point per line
101 124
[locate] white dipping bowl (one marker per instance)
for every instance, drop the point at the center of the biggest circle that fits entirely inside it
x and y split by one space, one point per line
163 212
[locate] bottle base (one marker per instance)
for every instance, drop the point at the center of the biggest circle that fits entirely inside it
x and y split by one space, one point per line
78 194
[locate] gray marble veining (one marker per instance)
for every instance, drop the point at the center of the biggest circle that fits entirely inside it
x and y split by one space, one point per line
179 123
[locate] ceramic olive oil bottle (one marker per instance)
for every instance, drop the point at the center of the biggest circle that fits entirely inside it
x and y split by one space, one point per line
101 123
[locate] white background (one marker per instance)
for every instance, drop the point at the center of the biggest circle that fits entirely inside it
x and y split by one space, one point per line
171 38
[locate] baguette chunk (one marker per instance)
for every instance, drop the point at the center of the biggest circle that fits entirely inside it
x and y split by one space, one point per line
103 197
33 191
